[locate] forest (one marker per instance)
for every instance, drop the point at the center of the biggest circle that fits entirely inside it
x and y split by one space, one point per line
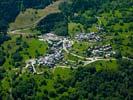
84 83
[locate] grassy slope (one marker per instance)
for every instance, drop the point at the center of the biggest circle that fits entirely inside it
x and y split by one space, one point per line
32 16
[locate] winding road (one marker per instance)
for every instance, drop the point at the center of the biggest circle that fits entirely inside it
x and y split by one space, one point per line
87 60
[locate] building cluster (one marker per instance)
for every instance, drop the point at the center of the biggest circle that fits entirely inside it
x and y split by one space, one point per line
50 37
54 56
51 59
105 50
30 64
88 36
68 44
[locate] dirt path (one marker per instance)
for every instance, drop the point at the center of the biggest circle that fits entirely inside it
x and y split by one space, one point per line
52 8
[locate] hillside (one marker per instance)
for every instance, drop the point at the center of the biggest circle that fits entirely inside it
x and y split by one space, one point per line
10 9
66 50
31 17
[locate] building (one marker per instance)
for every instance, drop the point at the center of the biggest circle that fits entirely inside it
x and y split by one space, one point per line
105 50
88 37
51 59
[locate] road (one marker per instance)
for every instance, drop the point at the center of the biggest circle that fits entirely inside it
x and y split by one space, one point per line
85 60
96 59
127 58
90 60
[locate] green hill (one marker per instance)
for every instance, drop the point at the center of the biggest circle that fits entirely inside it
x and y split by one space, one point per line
96 65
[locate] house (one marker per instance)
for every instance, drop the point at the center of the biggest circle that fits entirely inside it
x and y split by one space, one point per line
105 50
50 37
88 36
51 59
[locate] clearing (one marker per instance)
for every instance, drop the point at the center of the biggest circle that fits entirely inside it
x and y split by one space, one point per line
31 17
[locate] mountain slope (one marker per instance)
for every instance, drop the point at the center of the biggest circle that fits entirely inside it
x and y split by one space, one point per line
31 17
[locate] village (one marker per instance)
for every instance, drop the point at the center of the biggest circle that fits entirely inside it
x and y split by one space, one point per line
88 37
105 50
59 44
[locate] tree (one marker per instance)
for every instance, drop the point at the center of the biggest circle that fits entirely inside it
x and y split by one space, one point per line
17 57
23 88
52 94
2 60
55 22
118 55
2 73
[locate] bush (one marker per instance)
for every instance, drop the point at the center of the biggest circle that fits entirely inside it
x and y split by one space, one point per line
17 57
52 94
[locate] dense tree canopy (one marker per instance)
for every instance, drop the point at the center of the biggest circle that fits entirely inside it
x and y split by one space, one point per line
92 84
56 22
